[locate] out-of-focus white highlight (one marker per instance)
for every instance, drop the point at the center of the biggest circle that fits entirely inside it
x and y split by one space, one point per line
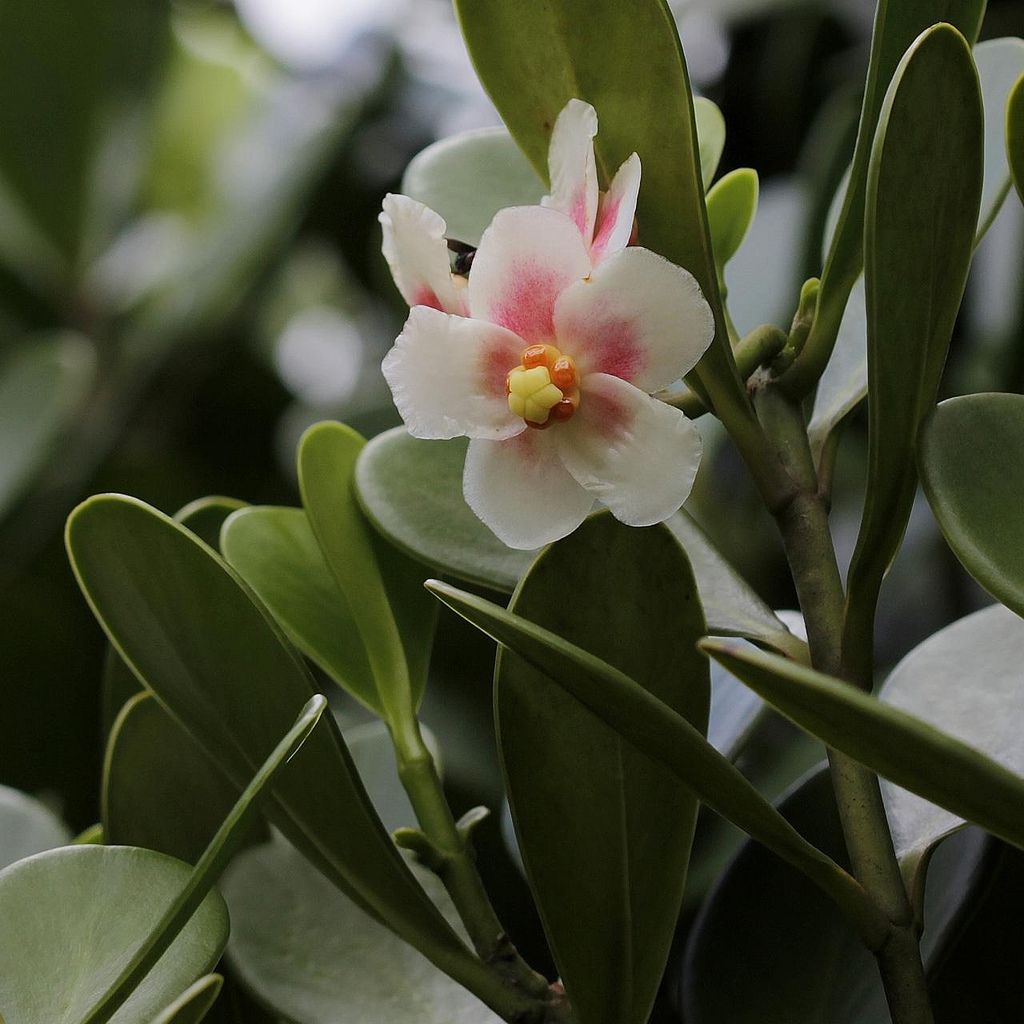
319 356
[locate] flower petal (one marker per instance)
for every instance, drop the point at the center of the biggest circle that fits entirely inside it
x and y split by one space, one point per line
527 258
521 490
616 212
635 454
417 253
447 376
638 317
572 166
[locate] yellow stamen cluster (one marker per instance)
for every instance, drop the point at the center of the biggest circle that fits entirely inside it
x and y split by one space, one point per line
543 389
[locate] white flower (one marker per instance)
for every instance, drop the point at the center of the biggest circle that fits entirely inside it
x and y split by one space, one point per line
548 356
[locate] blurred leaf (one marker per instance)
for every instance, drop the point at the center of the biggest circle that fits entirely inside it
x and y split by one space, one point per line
802 960
986 648
1015 135
383 588
710 137
275 552
42 386
898 23
411 491
604 833
626 60
731 607
732 203
194 1003
214 658
664 736
896 745
971 470
312 955
27 827
468 178
924 187
74 917
161 790
374 756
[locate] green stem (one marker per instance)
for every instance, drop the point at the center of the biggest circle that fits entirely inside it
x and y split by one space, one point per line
450 856
803 523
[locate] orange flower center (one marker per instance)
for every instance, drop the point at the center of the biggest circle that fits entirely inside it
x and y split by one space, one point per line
544 388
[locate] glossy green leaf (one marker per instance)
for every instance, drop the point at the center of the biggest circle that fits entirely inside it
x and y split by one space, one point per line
664 736
899 746
42 385
161 790
710 137
411 491
626 60
215 659
898 23
469 177
74 917
923 194
732 203
383 587
275 552
311 955
576 788
802 961
972 476
966 681
731 607
27 827
1015 135
194 1003
1000 64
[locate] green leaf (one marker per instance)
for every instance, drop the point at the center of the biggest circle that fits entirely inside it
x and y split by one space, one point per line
214 658
899 746
605 834
27 827
624 59
923 193
1015 135
275 552
710 138
732 203
1000 64
411 491
74 917
312 955
898 23
791 939
374 756
469 177
42 385
972 476
664 736
731 607
161 790
986 648
383 588
194 1003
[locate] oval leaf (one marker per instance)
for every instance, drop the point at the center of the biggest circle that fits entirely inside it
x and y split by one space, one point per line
1000 65
923 194
214 658
469 177
973 478
732 203
74 917
27 827
575 787
710 137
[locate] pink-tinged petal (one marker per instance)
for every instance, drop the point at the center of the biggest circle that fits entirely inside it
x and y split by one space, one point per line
526 260
635 454
416 251
521 490
616 212
572 166
447 376
637 317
